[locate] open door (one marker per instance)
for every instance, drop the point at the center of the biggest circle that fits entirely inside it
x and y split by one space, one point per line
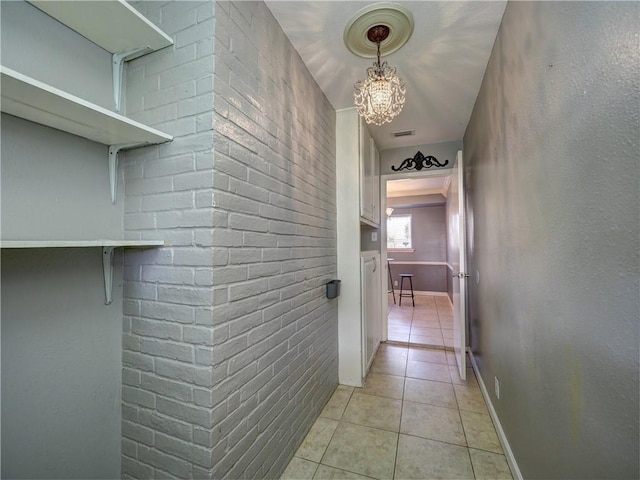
459 264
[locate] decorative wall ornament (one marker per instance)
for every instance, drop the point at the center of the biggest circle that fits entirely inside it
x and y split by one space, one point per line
418 162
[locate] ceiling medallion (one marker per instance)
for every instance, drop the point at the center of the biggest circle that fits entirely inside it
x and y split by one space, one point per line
379 98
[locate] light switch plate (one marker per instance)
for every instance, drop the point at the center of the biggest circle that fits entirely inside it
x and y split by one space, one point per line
374 236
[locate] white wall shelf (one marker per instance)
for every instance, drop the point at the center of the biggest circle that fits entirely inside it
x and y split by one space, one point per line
107 247
27 98
113 25
80 243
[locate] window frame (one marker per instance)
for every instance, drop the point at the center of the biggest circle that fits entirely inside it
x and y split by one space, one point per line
410 222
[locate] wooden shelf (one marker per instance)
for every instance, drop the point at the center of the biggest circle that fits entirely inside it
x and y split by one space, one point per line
38 102
113 25
80 243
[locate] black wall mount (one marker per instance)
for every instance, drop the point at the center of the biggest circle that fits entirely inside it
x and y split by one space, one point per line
333 289
418 162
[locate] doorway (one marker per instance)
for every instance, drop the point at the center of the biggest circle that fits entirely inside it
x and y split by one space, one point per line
414 243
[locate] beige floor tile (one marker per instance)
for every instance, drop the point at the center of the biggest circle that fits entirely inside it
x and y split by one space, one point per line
427 355
446 333
470 398
430 421
389 350
346 388
419 321
403 321
428 371
398 337
489 466
425 331
431 341
433 393
422 459
470 380
336 404
480 431
383 385
451 358
363 450
389 365
299 469
448 343
325 472
402 329
373 411
317 439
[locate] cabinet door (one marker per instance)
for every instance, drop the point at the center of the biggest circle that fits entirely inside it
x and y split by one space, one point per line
366 174
375 183
371 319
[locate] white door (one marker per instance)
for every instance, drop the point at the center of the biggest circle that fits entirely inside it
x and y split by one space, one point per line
459 264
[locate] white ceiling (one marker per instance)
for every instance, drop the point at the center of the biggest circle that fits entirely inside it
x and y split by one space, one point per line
407 187
442 64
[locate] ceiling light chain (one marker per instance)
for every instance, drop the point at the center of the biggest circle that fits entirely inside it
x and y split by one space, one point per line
380 97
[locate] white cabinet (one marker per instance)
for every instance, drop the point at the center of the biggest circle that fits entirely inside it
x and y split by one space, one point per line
369 176
370 296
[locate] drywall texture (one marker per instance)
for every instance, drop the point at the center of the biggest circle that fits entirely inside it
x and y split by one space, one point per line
552 152
429 239
60 366
167 376
61 344
441 151
275 332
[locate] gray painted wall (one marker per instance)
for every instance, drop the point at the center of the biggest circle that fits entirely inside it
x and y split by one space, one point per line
429 235
61 346
442 151
552 155
60 365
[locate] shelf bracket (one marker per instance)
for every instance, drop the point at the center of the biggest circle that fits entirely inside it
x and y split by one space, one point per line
117 61
107 268
113 167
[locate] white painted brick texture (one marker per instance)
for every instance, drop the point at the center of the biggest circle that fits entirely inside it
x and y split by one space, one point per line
169 297
274 349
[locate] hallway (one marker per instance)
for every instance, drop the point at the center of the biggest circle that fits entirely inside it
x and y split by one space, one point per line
414 419
429 323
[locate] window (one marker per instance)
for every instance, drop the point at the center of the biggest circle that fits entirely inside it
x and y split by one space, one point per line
399 232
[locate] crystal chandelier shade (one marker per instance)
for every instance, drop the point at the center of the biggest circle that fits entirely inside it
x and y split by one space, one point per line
380 97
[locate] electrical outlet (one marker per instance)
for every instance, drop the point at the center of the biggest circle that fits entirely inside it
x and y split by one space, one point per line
395 283
374 236
497 387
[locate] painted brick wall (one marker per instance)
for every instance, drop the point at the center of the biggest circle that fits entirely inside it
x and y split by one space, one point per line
275 333
229 345
168 296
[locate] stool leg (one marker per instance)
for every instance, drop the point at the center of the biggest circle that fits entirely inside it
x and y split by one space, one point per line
401 285
411 283
393 293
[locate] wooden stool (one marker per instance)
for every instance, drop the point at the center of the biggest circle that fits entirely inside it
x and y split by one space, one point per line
410 277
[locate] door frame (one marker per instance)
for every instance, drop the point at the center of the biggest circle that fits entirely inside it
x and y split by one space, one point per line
384 273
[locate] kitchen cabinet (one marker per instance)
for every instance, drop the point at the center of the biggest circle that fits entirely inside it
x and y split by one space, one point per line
369 158
371 311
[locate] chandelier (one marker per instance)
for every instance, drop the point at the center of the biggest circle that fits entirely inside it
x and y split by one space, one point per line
379 98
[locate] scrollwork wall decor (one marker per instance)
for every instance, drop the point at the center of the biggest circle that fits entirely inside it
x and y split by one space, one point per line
418 162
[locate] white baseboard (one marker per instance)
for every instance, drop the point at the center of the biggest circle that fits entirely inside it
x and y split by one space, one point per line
435 294
508 453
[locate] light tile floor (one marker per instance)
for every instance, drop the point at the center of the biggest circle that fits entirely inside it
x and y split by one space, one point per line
414 419
429 323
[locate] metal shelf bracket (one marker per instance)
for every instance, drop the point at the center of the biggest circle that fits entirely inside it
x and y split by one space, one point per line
113 167
117 61
107 268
